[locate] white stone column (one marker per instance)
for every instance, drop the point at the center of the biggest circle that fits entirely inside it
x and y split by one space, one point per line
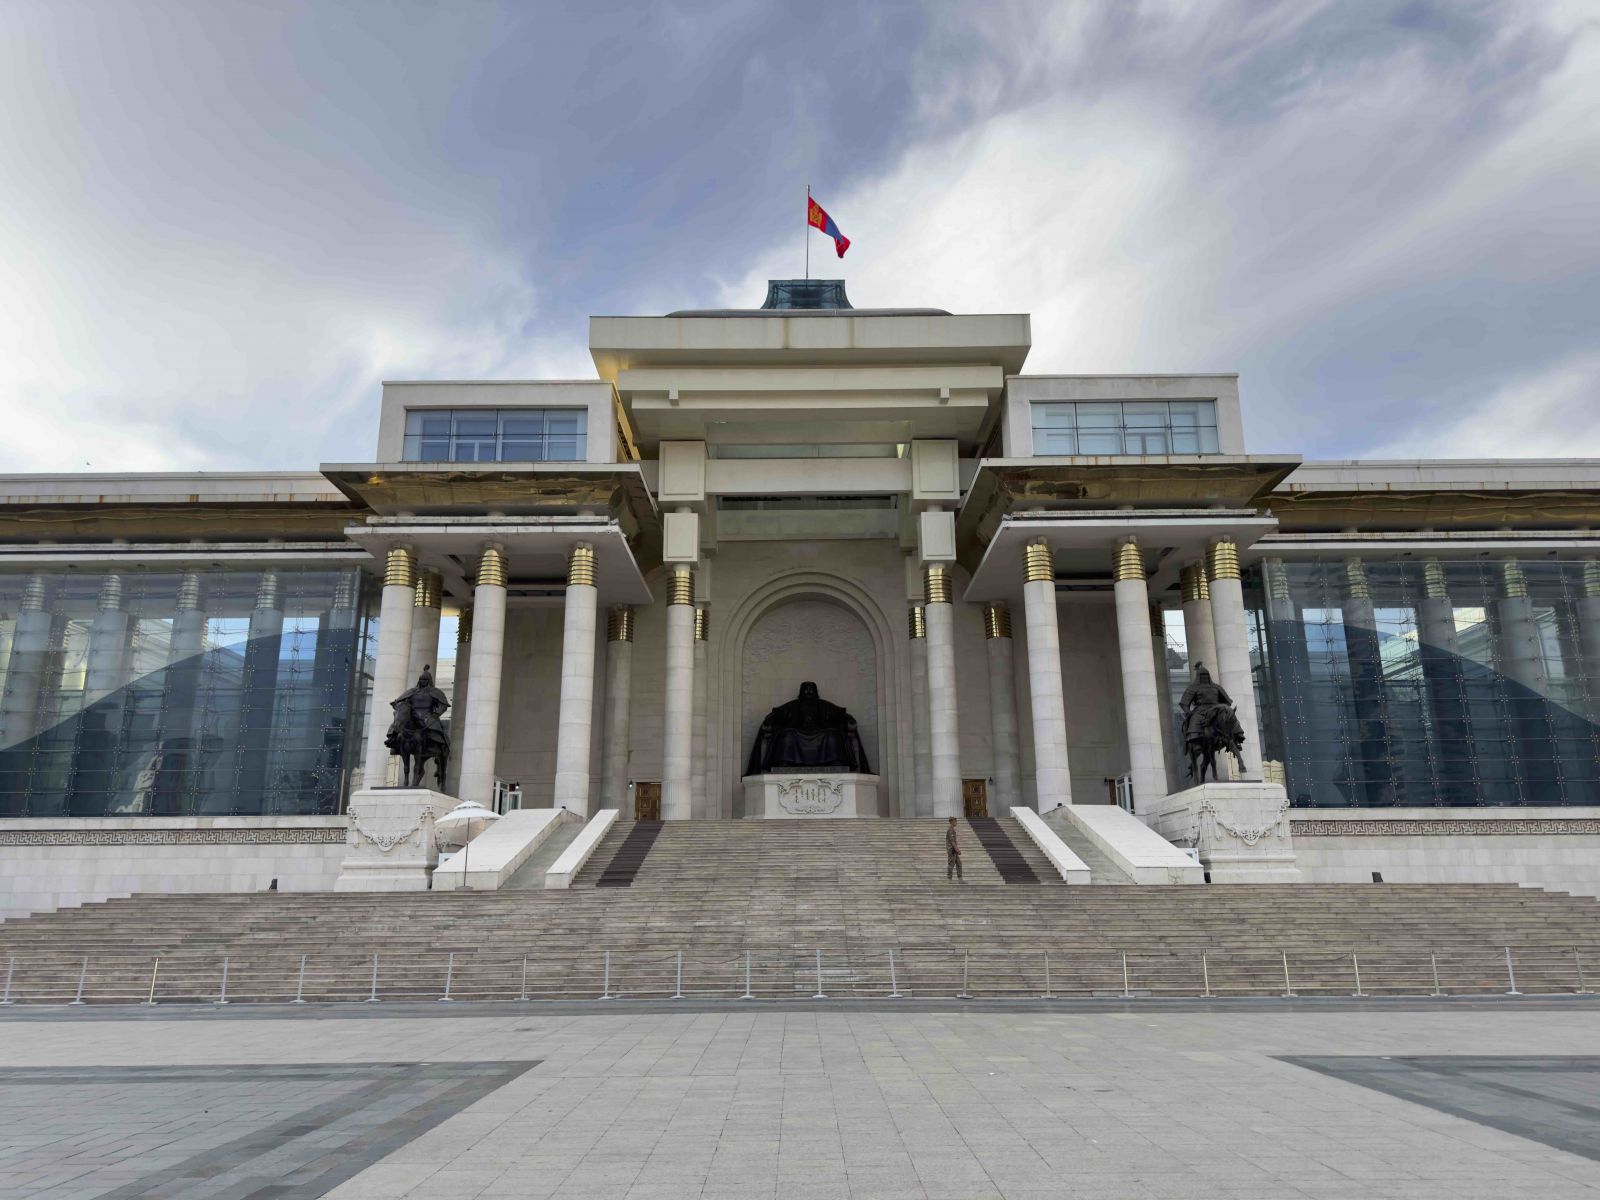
263 649
1589 633
393 657
1233 646
1199 632
1521 655
1141 704
1436 614
427 598
576 715
943 731
677 736
480 727
458 696
701 805
30 647
107 668
1005 749
1052 777
619 687
921 744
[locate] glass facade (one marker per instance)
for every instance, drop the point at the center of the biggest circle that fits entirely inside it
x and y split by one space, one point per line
173 694
496 435
1428 682
1126 427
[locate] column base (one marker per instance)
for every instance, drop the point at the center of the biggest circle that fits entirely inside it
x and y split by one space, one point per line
390 845
1240 829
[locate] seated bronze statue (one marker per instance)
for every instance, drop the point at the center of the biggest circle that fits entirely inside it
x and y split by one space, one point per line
808 734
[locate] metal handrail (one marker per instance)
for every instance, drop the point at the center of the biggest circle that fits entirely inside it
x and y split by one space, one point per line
230 975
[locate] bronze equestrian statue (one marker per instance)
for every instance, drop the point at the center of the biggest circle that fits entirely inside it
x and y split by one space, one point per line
1210 725
417 734
808 734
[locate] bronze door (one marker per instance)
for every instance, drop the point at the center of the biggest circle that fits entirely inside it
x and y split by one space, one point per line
975 797
647 802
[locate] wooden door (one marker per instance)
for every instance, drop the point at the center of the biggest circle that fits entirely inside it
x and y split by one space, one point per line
647 802
975 797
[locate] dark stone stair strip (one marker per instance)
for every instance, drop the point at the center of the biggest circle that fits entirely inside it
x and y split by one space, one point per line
1002 850
630 856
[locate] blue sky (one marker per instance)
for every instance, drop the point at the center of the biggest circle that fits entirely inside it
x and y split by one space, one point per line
222 225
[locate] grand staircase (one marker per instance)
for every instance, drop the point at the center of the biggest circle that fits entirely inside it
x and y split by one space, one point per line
793 909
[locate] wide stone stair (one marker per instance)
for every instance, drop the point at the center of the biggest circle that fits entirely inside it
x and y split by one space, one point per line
791 909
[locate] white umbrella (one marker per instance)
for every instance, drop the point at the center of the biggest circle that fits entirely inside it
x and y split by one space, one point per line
456 829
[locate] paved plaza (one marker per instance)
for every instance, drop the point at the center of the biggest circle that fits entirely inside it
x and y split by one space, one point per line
656 1103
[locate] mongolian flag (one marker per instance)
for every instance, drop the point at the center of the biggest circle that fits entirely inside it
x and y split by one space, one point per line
821 220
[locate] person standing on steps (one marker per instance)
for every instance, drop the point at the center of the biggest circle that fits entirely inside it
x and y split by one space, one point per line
952 853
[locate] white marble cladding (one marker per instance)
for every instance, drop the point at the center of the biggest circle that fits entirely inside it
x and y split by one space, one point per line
48 863
811 796
1242 830
1553 848
390 846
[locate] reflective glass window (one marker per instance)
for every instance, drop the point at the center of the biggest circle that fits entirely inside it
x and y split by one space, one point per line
1125 427
496 435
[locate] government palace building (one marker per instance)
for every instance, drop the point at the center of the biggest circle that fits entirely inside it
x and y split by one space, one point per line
1008 580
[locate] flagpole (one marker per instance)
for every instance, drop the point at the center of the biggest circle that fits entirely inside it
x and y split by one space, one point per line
808 231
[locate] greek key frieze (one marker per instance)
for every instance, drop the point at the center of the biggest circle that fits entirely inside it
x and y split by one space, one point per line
167 837
1547 825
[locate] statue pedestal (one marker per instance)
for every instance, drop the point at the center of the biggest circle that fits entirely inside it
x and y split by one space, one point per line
809 797
1240 829
390 846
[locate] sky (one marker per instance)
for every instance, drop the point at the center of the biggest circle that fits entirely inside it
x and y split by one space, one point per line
223 225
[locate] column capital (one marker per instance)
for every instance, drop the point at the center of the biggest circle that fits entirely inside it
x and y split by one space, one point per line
580 566
917 621
464 627
619 624
188 593
267 591
996 620
1277 578
1222 560
1591 577
936 584
111 593
492 566
702 622
1513 581
1193 581
429 590
1434 585
1037 563
400 567
1355 573
1126 561
680 585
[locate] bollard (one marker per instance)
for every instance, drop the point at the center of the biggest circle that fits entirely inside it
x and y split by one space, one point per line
523 995
449 977
300 984
154 968
1205 975
894 984
1578 962
1511 975
83 973
373 997
1356 963
1288 988
820 994
222 996
1126 994
748 994
605 988
1047 994
678 992
965 958
11 965
1433 958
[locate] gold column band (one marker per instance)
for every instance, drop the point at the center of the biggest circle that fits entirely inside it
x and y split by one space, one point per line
917 620
1355 573
429 590
1037 565
619 624
936 584
1591 577
996 621
580 566
1222 560
702 622
33 595
400 569
188 593
1127 562
1516 583
464 628
267 590
492 567
680 586
1277 578
111 593
1433 584
1193 580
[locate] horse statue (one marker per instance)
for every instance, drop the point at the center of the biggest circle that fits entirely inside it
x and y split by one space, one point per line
416 734
1210 726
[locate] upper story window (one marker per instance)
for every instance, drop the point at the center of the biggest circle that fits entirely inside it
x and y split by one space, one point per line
495 435
1126 427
